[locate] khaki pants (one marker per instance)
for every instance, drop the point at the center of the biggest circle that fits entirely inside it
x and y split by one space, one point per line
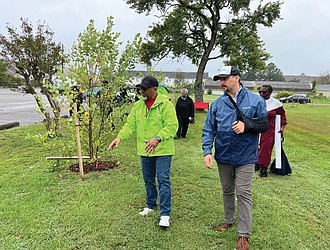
240 179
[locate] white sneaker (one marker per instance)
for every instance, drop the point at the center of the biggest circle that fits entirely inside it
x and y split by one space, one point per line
145 211
164 221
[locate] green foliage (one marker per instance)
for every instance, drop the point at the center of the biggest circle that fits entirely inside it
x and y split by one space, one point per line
180 83
33 54
6 79
249 54
3 74
250 75
283 93
198 30
318 97
323 79
270 73
179 80
209 91
294 80
96 62
45 206
273 73
255 88
152 72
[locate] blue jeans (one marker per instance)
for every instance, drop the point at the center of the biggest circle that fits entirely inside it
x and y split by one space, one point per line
157 166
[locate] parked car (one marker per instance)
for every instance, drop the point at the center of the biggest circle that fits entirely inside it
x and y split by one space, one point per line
302 99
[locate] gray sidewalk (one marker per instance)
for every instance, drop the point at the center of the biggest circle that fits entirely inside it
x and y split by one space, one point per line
19 107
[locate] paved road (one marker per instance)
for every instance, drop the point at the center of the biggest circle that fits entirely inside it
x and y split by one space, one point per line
19 107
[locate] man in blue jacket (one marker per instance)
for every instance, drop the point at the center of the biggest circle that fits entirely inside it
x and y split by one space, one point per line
233 123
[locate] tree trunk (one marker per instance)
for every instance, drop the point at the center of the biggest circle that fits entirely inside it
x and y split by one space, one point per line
56 111
32 91
199 88
56 108
48 121
57 127
90 137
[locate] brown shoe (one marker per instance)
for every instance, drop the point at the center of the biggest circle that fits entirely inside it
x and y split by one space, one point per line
242 243
223 227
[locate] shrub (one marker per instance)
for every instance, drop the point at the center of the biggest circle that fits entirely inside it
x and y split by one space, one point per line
283 94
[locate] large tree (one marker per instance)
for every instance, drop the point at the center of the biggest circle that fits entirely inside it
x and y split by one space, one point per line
323 78
270 73
204 30
273 73
34 55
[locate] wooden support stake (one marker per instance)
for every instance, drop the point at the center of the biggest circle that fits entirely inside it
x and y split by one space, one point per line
76 123
66 157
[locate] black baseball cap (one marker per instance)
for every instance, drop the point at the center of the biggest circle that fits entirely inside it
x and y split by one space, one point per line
148 82
227 71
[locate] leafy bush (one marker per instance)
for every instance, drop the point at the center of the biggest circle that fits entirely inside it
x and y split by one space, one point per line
283 94
319 96
100 67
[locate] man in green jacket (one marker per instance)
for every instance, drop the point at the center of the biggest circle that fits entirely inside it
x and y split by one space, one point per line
154 120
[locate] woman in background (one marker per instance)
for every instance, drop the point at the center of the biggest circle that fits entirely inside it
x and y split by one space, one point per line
267 139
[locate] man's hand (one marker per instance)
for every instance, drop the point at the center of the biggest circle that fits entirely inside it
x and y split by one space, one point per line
115 142
208 161
238 127
151 145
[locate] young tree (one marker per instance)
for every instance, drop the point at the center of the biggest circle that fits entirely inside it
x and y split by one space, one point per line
98 66
34 55
204 30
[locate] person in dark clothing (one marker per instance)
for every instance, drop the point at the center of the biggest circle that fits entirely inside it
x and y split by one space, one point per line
185 113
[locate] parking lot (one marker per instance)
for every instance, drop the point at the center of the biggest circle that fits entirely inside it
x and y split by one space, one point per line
20 107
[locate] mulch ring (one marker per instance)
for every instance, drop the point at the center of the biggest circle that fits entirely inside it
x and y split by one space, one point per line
95 166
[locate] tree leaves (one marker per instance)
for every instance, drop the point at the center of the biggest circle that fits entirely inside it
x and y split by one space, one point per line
33 54
98 63
203 30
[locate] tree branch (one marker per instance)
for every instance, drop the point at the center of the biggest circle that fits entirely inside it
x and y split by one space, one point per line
216 57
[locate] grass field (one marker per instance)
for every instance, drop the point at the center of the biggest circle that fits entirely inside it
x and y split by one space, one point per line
45 206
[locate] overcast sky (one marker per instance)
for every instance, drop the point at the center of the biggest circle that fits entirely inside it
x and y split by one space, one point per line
300 43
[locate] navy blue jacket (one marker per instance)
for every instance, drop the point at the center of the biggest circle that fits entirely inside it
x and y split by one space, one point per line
232 148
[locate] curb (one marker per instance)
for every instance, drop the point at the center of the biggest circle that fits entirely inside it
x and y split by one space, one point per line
9 125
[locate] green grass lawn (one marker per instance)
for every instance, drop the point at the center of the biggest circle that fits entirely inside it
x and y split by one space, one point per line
45 206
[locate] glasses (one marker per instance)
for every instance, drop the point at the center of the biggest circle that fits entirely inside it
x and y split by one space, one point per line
263 92
144 89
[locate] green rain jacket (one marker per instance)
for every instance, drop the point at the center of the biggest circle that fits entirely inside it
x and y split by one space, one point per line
160 121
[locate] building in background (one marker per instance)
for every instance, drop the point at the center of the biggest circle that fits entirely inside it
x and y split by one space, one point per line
170 76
